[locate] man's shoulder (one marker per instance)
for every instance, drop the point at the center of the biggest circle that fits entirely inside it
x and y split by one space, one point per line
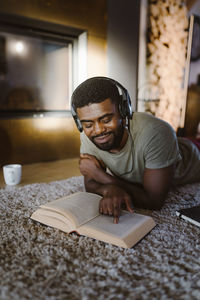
146 123
86 145
145 117
85 139
156 141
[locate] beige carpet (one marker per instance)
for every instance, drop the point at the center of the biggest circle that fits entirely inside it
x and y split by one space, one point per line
37 262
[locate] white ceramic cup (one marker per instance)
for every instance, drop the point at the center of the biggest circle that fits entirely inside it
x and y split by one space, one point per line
12 174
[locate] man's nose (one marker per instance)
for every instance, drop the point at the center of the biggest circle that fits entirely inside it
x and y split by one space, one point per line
98 128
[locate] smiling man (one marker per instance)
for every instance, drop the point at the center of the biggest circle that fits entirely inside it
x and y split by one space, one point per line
129 159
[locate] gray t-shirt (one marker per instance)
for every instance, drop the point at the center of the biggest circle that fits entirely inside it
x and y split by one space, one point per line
152 143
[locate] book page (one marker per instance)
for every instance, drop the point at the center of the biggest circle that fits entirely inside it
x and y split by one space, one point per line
53 219
130 229
79 207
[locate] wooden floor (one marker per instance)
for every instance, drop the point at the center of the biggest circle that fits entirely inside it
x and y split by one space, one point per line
47 171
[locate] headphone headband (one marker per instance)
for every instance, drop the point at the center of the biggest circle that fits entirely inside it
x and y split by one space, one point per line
125 107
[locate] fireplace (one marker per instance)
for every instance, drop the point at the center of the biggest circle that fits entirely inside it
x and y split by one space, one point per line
38 67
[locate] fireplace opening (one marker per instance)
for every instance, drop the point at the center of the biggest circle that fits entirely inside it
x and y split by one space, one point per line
38 67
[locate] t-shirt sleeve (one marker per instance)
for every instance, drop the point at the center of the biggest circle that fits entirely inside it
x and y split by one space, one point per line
87 146
161 148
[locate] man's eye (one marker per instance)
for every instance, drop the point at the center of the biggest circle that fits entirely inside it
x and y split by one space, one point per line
88 125
107 120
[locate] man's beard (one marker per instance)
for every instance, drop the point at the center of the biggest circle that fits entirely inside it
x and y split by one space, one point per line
113 143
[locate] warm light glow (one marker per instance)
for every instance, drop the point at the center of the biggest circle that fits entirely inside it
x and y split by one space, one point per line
19 47
50 123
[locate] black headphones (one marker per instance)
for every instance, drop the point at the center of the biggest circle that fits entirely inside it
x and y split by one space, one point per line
125 107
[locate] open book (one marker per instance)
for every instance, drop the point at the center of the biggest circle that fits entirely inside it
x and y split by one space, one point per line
80 212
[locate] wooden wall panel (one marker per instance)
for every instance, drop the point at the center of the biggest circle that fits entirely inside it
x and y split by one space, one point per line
33 140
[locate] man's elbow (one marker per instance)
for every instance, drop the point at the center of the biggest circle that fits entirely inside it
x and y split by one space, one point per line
156 203
89 187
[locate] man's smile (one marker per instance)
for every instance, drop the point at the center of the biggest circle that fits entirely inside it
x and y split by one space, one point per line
102 138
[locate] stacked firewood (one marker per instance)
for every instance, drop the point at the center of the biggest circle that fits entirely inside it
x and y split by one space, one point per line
167 46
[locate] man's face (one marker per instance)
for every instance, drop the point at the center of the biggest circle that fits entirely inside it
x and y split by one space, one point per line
102 124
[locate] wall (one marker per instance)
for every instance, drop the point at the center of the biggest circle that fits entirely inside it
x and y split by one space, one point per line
192 117
84 14
123 39
194 66
32 140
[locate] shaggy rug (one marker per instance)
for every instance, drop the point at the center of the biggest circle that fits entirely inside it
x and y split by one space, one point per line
38 262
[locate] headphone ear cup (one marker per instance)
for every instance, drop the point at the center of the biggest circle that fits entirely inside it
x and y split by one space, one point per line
76 119
78 124
125 108
121 108
129 110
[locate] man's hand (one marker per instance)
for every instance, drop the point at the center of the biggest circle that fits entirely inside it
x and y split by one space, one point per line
91 167
113 198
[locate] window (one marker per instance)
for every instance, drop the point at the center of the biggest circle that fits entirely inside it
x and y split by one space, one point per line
37 67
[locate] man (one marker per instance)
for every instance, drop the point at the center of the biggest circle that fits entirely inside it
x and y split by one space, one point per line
128 160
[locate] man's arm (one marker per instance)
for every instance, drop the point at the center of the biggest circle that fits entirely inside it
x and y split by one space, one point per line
151 194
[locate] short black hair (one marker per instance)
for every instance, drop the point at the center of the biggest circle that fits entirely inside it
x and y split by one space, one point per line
95 90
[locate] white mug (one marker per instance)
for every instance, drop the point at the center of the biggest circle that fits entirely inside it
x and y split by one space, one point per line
12 174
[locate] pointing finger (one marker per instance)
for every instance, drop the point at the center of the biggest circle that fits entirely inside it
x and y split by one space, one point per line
129 205
116 214
101 206
116 220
